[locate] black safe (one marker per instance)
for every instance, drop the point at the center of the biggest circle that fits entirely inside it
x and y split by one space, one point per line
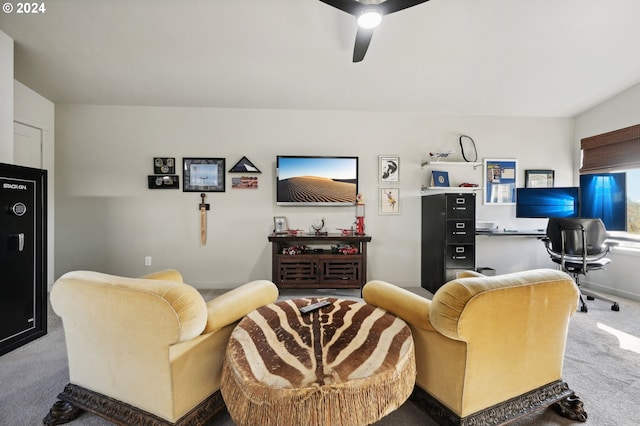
448 237
23 255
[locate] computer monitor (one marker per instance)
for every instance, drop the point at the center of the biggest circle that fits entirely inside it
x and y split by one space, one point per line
547 202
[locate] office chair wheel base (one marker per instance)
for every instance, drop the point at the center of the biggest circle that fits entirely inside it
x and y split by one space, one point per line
615 307
583 308
591 298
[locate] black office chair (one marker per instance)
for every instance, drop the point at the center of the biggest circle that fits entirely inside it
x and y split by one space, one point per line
579 245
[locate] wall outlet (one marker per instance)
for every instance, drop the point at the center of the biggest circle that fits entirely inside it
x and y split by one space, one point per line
147 261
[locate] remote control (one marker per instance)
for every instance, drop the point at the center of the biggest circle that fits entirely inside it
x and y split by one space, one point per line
314 306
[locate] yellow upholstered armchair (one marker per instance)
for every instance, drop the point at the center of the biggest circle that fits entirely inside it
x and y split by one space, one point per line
146 350
488 349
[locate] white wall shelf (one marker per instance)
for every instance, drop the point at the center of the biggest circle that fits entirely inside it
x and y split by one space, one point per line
451 164
451 188
459 172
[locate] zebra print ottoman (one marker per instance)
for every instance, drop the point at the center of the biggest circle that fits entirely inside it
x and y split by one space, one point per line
348 363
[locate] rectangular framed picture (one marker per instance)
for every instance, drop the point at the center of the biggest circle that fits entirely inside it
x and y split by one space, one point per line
538 178
500 181
388 169
203 175
280 225
389 200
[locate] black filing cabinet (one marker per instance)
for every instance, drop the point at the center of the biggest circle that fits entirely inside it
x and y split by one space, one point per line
448 237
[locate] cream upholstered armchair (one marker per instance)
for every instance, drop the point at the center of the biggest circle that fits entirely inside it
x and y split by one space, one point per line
488 349
146 350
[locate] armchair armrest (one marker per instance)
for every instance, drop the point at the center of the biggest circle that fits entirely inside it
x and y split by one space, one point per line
234 304
165 275
402 303
469 274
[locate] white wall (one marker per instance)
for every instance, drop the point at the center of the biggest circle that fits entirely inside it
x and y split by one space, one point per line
108 220
34 110
6 99
618 112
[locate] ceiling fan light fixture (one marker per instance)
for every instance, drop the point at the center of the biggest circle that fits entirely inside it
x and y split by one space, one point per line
370 18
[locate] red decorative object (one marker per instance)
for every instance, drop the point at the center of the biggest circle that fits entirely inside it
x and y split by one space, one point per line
359 214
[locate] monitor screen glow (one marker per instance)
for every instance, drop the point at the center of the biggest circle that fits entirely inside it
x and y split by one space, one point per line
547 202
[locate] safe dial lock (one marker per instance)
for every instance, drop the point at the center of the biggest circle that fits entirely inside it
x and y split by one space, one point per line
19 209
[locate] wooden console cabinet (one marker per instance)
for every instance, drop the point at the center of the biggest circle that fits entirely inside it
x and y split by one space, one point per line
319 266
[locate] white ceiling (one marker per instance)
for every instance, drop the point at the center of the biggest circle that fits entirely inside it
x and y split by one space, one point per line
544 58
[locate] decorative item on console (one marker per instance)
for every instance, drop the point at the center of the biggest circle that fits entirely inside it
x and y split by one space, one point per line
292 250
360 214
344 249
318 227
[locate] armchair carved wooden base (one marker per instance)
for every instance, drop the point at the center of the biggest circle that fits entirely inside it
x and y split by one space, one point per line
75 399
556 394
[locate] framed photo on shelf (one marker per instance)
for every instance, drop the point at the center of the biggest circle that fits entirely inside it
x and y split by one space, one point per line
500 181
439 179
203 174
389 169
280 225
538 178
389 200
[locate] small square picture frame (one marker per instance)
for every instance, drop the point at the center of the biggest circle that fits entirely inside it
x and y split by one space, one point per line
280 225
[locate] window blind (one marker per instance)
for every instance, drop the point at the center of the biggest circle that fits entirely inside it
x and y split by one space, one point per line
616 150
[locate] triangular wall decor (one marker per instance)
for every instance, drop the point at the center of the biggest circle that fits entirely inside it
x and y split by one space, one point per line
244 166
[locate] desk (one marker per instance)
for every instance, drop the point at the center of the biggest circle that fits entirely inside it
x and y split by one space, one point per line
538 233
348 363
511 251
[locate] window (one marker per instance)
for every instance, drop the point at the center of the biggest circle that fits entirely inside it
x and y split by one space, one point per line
633 201
617 151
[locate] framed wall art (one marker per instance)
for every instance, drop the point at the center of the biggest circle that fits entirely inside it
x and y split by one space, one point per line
389 169
389 200
500 181
538 178
203 175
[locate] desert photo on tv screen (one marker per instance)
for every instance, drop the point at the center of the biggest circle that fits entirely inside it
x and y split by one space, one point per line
317 180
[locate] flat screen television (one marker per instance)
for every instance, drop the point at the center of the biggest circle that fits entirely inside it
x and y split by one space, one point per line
548 202
604 196
316 180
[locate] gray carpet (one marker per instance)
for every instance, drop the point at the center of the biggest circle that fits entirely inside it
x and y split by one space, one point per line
602 365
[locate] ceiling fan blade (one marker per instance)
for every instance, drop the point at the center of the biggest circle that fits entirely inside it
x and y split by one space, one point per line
350 6
391 6
363 38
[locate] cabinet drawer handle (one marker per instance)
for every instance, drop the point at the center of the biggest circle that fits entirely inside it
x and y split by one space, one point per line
459 249
460 225
459 257
460 233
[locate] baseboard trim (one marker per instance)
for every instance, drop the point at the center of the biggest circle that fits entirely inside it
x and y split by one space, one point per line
121 413
498 414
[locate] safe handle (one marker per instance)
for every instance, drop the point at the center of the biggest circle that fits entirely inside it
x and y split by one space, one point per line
21 241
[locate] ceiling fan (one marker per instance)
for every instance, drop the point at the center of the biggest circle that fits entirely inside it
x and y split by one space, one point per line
368 14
